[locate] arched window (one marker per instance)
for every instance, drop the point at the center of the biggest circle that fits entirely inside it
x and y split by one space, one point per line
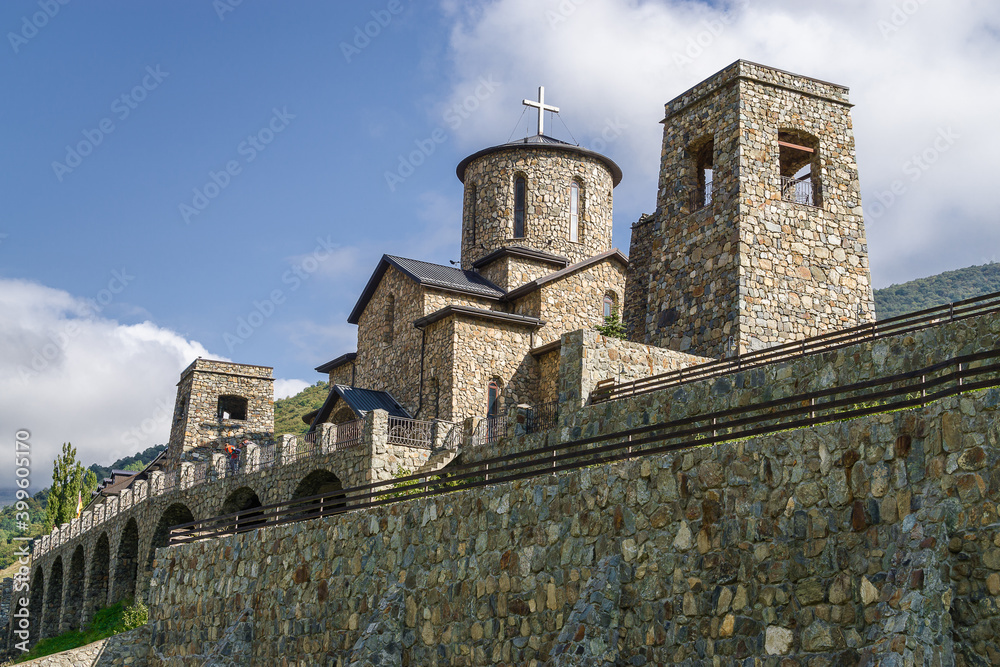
519 197
574 212
493 398
390 316
609 305
704 172
472 214
232 407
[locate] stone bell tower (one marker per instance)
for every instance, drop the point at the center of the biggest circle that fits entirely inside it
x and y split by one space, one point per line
758 237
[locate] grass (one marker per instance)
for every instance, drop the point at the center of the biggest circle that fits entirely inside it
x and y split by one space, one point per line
113 620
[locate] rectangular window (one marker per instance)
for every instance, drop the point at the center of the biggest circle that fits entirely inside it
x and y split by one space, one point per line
574 213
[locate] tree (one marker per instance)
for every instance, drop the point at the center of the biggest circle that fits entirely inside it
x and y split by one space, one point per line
69 483
612 327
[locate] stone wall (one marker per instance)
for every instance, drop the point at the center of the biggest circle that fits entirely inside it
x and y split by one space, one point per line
548 376
129 649
392 363
867 541
548 173
510 272
196 422
588 358
576 301
751 264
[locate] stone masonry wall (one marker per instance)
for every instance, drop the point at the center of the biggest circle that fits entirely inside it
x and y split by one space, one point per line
751 265
870 541
491 350
548 174
393 365
196 423
588 358
511 272
577 300
129 649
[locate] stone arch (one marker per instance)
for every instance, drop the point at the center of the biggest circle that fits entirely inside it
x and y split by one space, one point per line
239 501
126 562
36 604
74 590
175 514
100 568
53 600
316 483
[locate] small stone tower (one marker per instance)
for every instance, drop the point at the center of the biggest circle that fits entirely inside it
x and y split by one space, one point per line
218 400
539 195
758 237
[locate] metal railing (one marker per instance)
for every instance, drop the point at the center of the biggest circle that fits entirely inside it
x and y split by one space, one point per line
349 434
905 390
489 430
894 326
542 417
411 432
798 190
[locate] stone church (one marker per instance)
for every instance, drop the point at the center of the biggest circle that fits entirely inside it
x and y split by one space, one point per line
757 239
449 342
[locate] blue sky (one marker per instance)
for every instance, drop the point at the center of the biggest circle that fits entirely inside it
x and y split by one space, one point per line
207 178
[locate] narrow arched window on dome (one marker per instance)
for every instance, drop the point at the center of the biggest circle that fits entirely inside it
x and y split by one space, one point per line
519 196
472 215
574 212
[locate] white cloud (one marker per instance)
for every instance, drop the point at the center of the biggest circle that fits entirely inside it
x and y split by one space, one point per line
911 77
286 388
69 375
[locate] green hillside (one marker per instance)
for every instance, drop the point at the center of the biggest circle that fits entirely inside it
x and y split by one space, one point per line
937 290
136 462
288 411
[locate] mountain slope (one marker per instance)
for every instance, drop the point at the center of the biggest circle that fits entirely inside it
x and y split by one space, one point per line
937 290
288 411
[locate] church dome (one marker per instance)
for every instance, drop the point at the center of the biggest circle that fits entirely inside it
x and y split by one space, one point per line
538 193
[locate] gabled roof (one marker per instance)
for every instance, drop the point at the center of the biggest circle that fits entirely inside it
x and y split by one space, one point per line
528 288
361 401
479 313
447 278
543 141
339 361
520 251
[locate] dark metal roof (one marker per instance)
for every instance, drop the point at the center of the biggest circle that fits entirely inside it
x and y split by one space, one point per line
339 361
521 251
361 401
542 141
479 313
431 275
528 288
